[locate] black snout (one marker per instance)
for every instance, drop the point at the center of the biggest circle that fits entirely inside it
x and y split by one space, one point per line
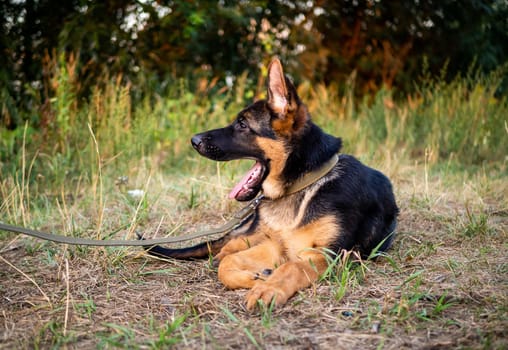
196 141
202 143
221 145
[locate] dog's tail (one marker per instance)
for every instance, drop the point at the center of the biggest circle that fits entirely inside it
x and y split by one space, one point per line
198 251
205 249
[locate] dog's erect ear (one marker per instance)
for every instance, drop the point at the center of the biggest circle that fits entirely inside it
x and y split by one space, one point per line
277 89
282 96
284 102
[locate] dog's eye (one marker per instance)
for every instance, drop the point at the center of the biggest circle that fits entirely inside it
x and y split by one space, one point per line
240 124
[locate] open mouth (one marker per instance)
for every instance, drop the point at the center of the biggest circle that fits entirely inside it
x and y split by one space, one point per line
250 184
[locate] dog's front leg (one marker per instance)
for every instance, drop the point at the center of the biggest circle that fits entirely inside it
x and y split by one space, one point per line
244 268
287 279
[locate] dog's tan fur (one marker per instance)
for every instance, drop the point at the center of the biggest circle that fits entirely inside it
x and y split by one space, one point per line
295 254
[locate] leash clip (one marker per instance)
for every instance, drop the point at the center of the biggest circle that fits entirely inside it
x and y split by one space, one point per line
256 201
249 209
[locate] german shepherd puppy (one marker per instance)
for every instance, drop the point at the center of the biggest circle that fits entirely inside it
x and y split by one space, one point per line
279 249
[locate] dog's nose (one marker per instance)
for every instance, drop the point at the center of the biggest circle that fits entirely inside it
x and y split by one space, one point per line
196 141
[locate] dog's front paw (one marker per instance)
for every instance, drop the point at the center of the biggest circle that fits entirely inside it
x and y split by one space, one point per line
267 293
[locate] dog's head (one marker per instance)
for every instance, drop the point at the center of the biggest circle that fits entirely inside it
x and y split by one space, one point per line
266 132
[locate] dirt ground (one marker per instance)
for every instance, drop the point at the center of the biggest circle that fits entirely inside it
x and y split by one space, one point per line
443 285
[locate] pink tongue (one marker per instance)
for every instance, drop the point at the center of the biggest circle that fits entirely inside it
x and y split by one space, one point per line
251 175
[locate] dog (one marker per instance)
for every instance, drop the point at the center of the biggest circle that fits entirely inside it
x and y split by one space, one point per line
313 200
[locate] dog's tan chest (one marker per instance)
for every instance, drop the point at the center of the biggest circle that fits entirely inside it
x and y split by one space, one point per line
282 220
287 213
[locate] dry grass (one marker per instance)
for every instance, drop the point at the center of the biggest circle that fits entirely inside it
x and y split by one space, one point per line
444 284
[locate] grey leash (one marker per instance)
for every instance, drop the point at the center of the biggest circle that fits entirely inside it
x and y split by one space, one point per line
238 218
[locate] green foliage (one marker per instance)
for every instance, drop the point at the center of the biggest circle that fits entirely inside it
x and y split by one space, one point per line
152 44
267 319
416 301
442 303
87 307
463 118
53 330
167 336
344 271
475 224
117 336
462 121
